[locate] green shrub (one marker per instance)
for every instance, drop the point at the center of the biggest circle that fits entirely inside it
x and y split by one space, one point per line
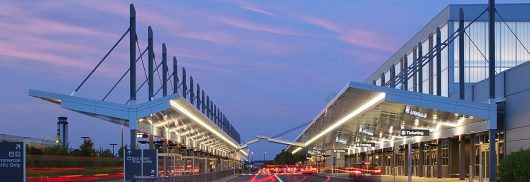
515 167
71 161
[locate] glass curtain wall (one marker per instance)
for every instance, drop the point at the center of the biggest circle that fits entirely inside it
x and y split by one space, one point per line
509 51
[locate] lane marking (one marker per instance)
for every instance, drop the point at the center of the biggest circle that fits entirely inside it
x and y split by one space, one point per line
278 178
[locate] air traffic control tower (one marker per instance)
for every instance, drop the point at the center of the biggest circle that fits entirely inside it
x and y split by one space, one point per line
62 131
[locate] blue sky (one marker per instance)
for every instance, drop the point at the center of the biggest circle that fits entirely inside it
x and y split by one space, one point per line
269 65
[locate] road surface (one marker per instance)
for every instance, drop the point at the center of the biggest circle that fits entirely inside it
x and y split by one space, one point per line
285 177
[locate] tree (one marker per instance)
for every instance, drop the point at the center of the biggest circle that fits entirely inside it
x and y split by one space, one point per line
288 158
104 153
56 150
32 150
87 148
120 151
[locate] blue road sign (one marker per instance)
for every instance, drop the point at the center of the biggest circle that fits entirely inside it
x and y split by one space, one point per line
12 161
141 164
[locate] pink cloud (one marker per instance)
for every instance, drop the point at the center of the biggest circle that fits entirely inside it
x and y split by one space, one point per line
238 23
356 36
254 8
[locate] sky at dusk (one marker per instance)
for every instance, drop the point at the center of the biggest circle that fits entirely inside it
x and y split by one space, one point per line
269 65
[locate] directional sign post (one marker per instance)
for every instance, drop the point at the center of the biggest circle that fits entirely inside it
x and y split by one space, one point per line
12 161
141 164
413 132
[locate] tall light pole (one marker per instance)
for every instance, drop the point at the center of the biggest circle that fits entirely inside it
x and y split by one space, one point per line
113 144
85 138
264 153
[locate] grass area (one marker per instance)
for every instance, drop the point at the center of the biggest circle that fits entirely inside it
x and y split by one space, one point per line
63 172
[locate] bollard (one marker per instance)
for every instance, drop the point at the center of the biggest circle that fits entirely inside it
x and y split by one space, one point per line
471 173
480 173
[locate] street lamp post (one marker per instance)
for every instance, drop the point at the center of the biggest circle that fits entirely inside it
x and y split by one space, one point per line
264 154
85 138
113 144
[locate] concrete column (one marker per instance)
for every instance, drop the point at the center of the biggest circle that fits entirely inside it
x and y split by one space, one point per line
421 159
439 158
151 142
383 161
165 150
133 138
406 162
409 154
461 158
472 153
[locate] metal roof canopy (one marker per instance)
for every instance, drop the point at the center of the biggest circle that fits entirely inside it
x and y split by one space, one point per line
169 117
368 113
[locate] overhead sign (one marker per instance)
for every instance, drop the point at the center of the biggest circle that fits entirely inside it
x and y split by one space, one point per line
339 150
141 164
366 131
414 112
365 144
412 132
12 161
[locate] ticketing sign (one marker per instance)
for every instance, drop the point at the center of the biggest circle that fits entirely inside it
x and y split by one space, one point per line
414 132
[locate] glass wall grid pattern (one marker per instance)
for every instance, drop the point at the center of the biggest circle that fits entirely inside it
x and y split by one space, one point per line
426 81
508 53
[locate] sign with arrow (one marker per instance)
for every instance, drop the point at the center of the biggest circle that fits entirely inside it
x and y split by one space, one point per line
141 164
12 161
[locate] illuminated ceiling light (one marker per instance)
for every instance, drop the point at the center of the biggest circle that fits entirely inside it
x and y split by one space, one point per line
203 123
461 120
416 122
296 150
381 134
391 129
356 112
434 116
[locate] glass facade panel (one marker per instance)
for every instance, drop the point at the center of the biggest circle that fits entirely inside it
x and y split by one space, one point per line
387 76
378 82
445 62
410 82
425 69
509 51
397 72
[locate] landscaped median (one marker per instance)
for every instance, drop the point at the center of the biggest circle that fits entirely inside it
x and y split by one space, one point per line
72 168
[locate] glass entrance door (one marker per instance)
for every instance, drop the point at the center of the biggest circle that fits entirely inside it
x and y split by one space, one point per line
484 160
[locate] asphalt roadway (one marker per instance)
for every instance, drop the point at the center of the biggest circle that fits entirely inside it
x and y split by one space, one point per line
270 177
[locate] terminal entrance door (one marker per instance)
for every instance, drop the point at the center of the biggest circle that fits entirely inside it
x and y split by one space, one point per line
483 161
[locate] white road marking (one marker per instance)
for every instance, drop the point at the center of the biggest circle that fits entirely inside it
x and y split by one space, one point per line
278 178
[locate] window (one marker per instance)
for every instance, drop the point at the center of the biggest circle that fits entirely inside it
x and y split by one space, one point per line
387 76
410 81
508 53
397 72
445 152
425 69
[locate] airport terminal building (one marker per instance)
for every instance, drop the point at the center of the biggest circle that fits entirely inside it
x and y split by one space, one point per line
363 123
